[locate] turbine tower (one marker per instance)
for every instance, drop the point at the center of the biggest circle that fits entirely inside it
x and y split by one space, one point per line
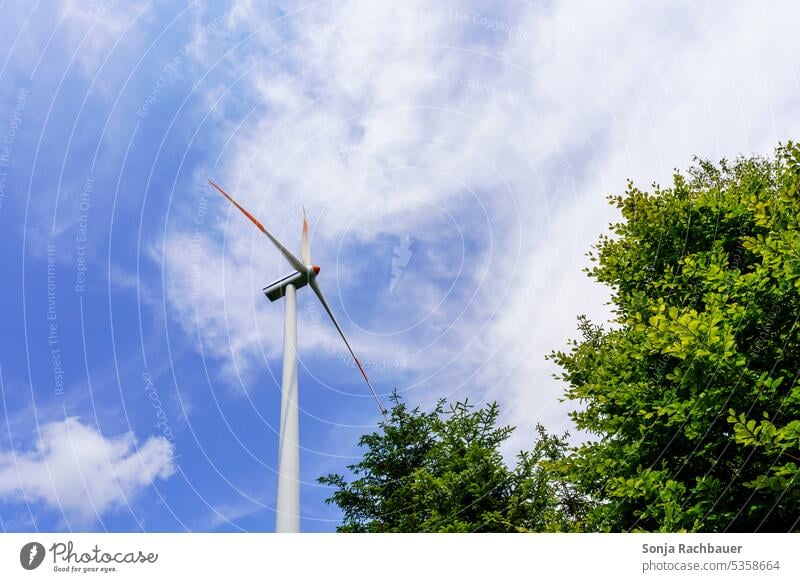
287 516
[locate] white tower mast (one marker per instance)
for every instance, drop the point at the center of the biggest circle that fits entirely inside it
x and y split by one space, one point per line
287 517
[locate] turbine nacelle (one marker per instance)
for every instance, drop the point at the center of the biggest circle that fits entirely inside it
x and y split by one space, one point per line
277 290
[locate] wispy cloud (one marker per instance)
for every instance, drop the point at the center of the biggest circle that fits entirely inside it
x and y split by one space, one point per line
491 138
93 29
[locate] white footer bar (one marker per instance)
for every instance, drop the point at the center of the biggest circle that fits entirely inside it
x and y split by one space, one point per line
407 557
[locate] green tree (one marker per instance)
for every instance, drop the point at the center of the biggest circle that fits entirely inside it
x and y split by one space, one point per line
691 390
443 471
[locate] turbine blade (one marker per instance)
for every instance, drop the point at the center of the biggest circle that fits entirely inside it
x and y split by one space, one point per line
293 261
315 286
305 244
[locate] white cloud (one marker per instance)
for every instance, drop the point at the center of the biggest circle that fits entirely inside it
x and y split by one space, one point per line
516 124
94 29
79 472
228 514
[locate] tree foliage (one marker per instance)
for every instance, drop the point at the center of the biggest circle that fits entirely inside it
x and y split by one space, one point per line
443 471
692 389
690 392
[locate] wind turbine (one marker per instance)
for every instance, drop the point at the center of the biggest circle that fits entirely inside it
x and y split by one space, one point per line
287 517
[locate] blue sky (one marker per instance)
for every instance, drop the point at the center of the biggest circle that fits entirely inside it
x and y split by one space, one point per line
453 161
